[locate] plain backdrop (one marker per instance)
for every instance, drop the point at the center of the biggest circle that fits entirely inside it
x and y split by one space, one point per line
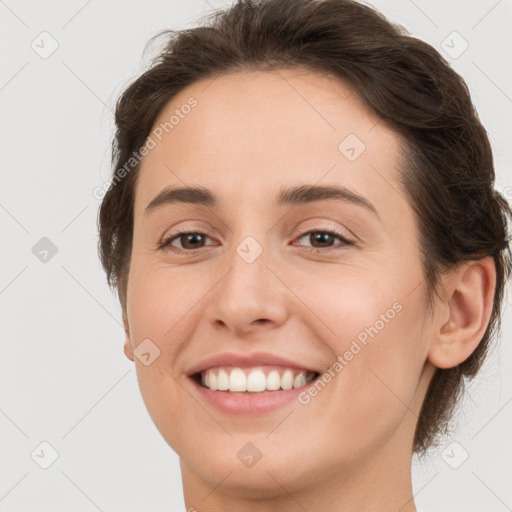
69 397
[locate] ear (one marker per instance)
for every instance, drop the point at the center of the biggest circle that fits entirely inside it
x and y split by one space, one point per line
128 349
465 315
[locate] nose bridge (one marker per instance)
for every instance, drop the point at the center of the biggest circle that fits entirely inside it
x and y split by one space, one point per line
247 283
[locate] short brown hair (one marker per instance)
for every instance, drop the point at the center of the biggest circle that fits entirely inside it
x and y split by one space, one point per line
447 169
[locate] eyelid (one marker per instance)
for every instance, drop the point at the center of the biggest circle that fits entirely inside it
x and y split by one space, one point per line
175 235
328 225
180 230
346 241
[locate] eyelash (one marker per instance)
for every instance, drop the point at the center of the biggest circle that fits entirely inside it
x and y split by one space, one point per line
166 244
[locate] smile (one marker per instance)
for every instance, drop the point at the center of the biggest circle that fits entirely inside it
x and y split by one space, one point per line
255 379
250 384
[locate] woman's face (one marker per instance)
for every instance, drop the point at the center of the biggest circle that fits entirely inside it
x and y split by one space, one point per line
259 285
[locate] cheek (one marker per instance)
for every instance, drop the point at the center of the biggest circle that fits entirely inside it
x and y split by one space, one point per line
159 301
157 309
380 349
378 313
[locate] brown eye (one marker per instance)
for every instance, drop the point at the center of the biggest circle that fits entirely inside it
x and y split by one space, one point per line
324 239
190 241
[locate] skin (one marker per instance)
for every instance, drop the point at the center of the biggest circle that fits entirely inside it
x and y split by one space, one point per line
350 448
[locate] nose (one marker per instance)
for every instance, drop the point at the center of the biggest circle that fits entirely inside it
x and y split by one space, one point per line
249 297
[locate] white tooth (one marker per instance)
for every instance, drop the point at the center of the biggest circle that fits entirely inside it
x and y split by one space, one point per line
256 381
237 380
299 380
222 381
212 381
287 380
273 380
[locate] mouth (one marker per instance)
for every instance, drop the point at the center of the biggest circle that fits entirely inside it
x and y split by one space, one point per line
249 384
251 380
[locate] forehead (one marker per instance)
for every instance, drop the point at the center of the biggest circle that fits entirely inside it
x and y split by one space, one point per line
263 130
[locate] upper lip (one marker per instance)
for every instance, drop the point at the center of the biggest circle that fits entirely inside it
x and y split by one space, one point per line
244 360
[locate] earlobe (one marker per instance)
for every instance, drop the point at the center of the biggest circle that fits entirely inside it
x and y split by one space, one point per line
128 349
469 307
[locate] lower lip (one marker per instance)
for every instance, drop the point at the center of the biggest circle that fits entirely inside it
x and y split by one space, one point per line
248 404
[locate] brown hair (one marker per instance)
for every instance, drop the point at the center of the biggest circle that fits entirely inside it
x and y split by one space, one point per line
447 169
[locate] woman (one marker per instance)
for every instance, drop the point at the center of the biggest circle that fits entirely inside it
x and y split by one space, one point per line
309 252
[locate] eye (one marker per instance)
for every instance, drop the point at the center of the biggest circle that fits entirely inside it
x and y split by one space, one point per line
324 239
191 241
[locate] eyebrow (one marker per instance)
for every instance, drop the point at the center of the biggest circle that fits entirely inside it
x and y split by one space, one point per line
295 196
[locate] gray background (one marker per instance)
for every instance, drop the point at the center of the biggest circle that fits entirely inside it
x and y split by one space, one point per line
64 379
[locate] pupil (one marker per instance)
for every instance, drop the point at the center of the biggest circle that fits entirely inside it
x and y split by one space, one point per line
322 237
191 237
